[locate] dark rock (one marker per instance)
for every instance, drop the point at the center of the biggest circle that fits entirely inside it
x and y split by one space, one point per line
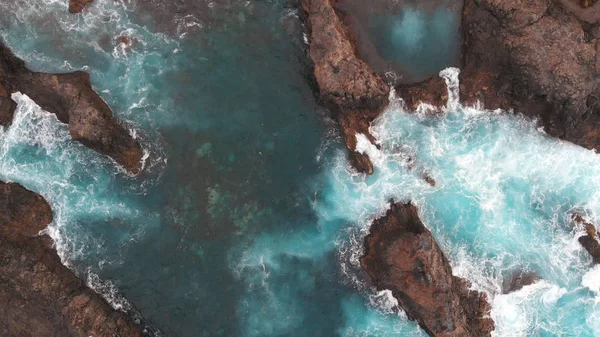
38 295
590 240
347 85
73 100
401 255
517 280
76 6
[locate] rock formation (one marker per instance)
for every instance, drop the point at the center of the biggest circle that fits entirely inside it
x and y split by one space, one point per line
38 295
347 86
537 57
590 240
76 6
401 255
74 102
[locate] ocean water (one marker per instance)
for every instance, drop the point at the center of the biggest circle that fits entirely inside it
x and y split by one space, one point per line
248 220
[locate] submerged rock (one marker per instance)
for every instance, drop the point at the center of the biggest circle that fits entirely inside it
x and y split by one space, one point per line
38 295
72 99
348 86
76 6
401 255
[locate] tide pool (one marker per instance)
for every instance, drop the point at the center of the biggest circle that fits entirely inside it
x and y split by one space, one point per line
249 220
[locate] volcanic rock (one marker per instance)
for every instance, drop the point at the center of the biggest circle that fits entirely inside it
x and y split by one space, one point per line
348 86
401 255
72 99
537 57
38 295
590 240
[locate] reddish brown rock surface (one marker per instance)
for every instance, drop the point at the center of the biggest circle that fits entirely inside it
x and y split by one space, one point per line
537 57
347 85
76 6
74 102
38 295
401 255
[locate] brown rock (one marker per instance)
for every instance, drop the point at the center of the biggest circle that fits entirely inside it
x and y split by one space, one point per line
590 240
24 213
76 6
73 100
347 85
38 295
401 255
515 57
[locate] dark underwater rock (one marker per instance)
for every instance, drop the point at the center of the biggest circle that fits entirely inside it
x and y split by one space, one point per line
38 295
72 99
590 240
401 255
348 86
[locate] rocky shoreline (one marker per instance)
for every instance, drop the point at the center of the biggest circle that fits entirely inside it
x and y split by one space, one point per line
72 99
39 296
538 58
513 57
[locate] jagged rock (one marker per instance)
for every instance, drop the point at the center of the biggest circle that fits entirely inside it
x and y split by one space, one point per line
589 241
353 92
74 102
515 57
76 6
38 295
401 255
517 280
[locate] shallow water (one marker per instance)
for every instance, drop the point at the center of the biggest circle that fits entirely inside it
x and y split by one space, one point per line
249 221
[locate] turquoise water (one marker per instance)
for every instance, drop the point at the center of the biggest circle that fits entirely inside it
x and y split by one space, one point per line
248 220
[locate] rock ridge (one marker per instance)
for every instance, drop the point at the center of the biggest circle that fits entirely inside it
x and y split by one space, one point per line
72 99
401 255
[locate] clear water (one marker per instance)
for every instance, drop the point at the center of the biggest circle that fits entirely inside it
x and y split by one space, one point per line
249 221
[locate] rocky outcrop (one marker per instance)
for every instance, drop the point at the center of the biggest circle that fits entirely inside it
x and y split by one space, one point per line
76 6
38 295
589 241
401 255
74 102
347 85
536 57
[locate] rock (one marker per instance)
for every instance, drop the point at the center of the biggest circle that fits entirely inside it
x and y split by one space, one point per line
73 100
590 240
514 58
76 6
401 255
24 213
38 295
517 280
347 86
